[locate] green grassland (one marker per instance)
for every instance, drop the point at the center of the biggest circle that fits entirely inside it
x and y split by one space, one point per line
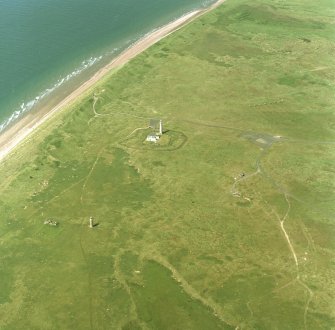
226 223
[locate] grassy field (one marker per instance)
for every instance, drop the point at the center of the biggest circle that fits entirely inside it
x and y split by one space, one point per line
226 223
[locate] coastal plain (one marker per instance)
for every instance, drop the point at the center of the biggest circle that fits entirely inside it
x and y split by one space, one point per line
225 223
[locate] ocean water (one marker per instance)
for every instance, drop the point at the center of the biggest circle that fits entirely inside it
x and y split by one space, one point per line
46 44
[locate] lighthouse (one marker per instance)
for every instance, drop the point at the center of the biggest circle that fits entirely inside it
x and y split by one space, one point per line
91 225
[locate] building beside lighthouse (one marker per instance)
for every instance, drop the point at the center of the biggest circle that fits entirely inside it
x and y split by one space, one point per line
157 126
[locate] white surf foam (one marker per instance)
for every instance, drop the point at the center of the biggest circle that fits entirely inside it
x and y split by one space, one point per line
28 105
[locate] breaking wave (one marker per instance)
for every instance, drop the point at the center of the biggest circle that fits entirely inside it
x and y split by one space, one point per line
26 106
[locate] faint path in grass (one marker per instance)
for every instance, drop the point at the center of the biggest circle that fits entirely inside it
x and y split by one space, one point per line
260 170
307 142
234 190
309 239
97 114
81 238
95 100
89 276
282 226
65 190
212 125
216 309
134 131
297 279
311 294
123 282
121 144
282 221
89 175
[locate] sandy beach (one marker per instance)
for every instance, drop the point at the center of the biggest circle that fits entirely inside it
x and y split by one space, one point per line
19 131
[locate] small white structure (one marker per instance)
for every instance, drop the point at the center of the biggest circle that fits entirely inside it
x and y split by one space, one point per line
160 128
157 125
152 138
91 225
50 222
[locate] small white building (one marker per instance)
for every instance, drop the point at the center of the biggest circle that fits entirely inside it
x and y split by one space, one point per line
152 137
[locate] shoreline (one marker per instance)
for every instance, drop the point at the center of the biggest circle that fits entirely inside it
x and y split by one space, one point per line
19 131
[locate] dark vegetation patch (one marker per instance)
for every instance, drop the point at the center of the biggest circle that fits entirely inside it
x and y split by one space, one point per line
162 303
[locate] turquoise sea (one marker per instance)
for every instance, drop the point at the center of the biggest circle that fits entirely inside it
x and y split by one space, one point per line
49 46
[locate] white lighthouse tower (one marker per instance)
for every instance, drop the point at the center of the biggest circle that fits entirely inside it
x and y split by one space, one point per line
160 128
